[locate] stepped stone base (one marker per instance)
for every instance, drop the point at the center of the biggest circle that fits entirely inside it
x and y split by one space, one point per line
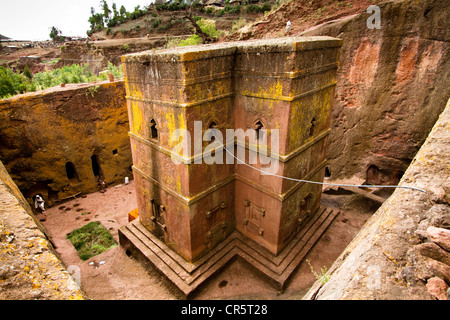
137 240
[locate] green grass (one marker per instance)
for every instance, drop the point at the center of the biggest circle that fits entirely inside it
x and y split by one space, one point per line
91 240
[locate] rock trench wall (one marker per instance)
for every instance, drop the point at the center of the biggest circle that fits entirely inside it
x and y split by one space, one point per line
392 84
29 267
59 141
403 251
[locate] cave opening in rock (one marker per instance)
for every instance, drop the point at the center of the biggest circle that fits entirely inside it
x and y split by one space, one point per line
71 172
42 188
96 168
327 172
372 174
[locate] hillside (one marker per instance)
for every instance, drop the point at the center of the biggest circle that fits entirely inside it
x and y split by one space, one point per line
236 21
170 21
239 22
151 30
303 15
255 24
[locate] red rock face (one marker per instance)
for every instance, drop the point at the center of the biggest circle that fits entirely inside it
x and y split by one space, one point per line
282 86
406 67
390 90
364 64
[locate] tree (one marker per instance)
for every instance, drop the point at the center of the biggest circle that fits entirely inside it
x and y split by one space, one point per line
115 19
123 12
206 38
116 14
106 11
55 34
96 21
203 28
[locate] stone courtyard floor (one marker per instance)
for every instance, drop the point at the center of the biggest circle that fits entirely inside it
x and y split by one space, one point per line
113 275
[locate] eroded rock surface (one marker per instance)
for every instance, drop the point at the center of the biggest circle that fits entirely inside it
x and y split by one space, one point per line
392 86
60 141
29 267
403 249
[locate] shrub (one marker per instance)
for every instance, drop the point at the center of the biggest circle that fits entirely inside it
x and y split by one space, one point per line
126 47
27 72
232 9
163 27
116 71
191 41
237 24
259 9
137 13
172 42
196 4
92 91
161 7
266 7
12 83
174 6
156 23
180 21
208 26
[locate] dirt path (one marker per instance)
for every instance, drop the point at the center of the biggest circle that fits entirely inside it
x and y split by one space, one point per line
113 275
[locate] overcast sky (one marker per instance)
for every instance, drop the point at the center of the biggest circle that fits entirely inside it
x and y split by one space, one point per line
33 19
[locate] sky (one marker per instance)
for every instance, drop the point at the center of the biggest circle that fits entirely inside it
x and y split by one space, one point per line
33 19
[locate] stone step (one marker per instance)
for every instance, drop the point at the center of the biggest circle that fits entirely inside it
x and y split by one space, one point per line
188 276
280 268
